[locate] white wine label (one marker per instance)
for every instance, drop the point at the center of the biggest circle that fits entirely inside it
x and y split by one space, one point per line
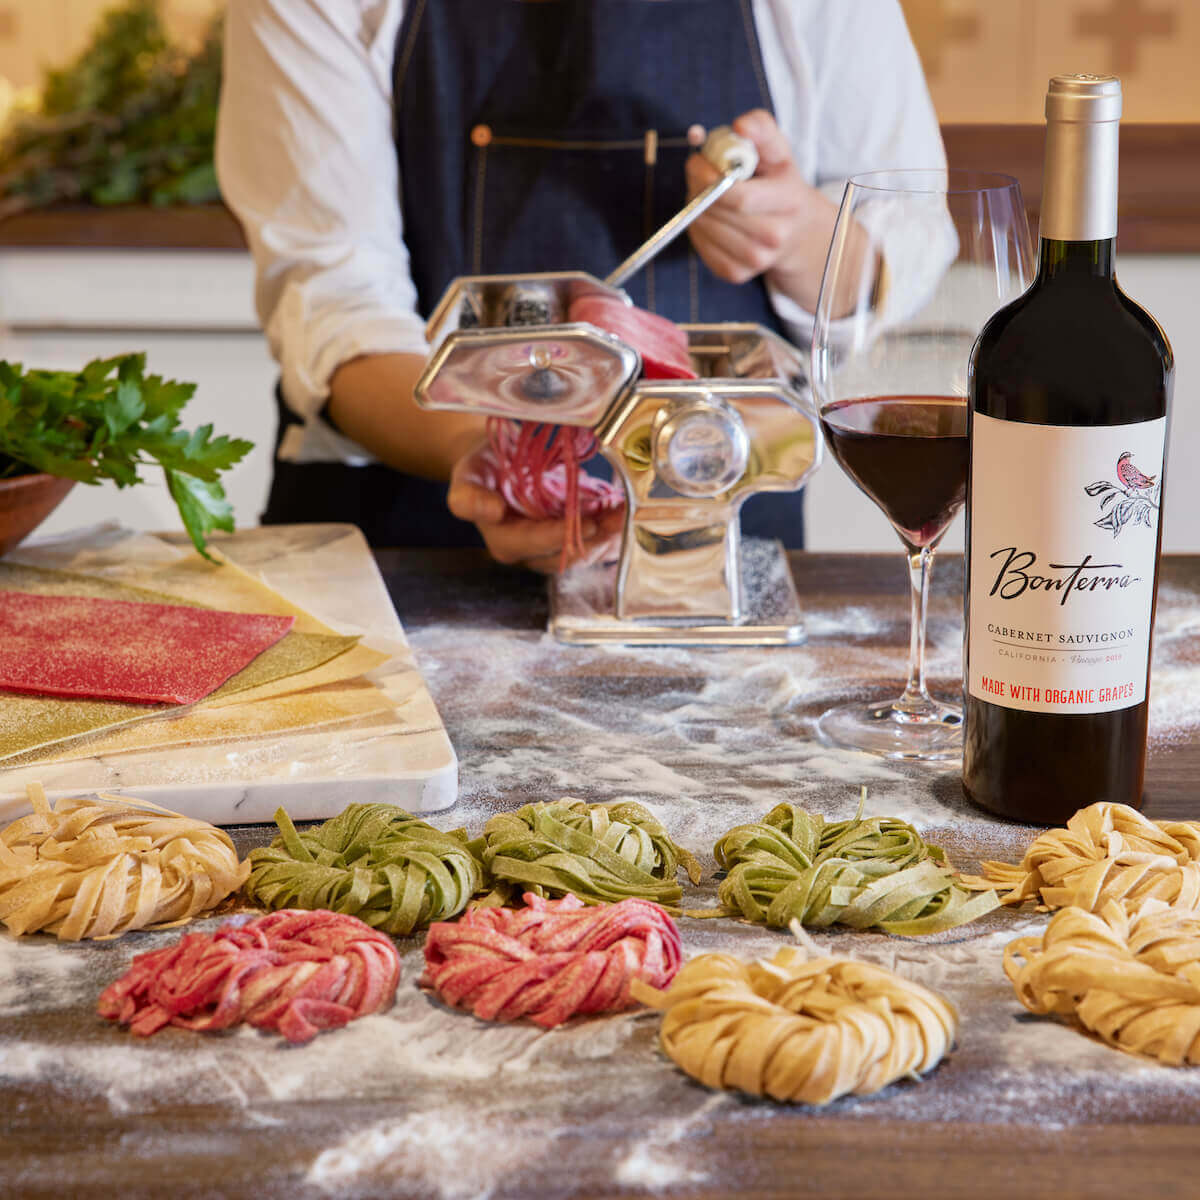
1064 543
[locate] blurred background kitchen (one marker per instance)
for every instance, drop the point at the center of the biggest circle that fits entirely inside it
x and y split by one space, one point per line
103 251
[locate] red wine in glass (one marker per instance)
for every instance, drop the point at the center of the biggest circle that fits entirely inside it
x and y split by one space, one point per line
918 262
908 454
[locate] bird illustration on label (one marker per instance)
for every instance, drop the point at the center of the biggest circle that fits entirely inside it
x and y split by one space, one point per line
1134 498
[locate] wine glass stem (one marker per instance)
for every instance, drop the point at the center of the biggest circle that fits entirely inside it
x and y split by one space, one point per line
916 700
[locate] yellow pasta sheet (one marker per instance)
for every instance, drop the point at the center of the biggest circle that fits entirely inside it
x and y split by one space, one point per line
317 708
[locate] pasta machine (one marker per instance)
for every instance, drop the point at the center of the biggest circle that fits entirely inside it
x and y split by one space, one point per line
688 452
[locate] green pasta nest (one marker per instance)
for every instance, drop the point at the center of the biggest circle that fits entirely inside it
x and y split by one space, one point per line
873 872
600 852
373 861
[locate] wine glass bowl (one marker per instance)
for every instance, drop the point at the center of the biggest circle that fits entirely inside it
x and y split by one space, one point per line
908 454
919 260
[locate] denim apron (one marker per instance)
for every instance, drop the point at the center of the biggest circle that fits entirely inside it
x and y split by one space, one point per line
545 135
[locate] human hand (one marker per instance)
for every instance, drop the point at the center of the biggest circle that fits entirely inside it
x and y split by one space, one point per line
774 223
515 540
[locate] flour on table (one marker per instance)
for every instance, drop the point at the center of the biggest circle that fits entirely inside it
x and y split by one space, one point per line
660 1161
699 737
437 1151
41 973
852 621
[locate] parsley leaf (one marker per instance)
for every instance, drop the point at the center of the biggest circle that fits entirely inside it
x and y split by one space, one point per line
107 422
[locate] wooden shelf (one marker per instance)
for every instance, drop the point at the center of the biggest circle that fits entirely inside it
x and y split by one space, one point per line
1159 202
125 227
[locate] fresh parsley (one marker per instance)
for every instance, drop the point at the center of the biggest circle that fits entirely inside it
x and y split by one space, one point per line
107 422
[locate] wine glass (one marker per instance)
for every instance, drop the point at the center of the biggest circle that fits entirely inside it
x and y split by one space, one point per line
918 262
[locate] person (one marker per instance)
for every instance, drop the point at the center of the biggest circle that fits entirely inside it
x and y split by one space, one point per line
374 150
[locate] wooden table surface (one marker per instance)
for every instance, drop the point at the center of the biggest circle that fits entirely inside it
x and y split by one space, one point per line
57 1140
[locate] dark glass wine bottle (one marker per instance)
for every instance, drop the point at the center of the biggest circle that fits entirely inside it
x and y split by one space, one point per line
1069 392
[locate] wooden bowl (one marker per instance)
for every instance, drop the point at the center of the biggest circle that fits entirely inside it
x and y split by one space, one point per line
25 502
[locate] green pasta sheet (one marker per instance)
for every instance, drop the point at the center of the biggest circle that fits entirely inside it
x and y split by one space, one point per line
376 862
872 872
601 853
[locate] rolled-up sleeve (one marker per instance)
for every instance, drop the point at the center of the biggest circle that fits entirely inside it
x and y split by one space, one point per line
306 161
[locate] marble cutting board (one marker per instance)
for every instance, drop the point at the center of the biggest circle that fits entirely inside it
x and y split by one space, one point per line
403 757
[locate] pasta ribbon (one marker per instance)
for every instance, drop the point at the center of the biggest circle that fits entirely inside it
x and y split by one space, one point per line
1131 977
1106 852
799 1028
294 972
872 872
552 959
97 868
599 852
373 861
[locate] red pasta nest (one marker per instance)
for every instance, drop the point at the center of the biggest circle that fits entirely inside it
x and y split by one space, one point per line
551 960
295 972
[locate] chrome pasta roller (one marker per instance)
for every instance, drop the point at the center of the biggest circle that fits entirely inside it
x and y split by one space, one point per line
504 348
687 452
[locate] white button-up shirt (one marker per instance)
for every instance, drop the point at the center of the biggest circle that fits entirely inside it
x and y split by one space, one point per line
306 160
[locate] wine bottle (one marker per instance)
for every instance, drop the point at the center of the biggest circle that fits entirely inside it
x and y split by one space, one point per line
1069 389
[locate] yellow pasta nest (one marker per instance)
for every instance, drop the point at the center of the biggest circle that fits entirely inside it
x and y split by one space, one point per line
95 868
799 1028
1106 852
1131 978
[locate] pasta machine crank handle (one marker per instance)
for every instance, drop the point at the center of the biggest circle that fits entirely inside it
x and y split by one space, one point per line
735 157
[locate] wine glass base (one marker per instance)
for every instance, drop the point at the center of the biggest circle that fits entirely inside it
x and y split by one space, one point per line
881 728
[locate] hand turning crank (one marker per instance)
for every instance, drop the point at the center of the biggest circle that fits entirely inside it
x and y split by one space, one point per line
735 157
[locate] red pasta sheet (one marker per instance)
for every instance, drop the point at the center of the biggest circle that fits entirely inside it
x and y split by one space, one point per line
551 960
125 650
662 344
292 971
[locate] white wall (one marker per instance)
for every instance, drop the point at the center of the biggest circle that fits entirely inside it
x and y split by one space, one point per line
192 314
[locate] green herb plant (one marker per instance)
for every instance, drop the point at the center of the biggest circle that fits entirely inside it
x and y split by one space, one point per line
107 422
130 121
